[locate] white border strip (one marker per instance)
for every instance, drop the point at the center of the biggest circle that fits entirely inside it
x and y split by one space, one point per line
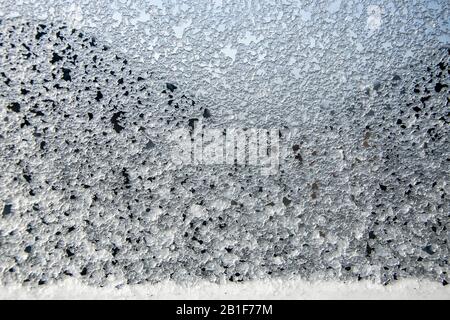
261 289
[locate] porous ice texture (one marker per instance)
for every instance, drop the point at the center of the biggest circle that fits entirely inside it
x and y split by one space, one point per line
359 99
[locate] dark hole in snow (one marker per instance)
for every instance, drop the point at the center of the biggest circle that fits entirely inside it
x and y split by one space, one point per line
115 121
69 252
55 58
7 209
286 201
149 144
66 74
428 249
206 113
99 96
171 87
14 106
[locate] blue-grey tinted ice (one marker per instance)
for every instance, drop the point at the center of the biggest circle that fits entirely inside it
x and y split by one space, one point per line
224 140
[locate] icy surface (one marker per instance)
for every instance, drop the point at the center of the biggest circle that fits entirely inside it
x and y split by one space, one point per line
92 92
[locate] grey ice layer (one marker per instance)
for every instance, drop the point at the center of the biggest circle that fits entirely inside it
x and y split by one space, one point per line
89 190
